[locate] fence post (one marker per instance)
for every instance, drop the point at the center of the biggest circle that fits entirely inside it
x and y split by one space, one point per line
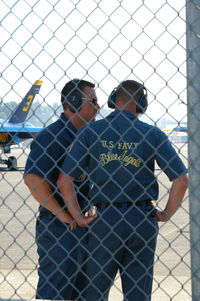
193 90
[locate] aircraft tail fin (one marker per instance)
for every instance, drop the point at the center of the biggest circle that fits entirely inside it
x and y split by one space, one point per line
21 112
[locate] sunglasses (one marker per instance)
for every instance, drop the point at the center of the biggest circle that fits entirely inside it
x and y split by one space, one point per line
93 101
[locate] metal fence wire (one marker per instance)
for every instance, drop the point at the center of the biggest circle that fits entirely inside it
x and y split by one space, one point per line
104 42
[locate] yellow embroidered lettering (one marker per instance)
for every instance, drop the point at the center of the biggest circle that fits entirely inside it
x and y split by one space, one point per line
103 143
127 160
110 144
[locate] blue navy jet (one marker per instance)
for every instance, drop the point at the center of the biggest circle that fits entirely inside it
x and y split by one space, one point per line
16 130
181 129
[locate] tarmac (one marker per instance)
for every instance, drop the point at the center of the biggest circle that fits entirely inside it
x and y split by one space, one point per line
18 257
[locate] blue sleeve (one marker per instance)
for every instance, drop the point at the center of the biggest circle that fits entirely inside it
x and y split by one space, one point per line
167 158
45 155
76 159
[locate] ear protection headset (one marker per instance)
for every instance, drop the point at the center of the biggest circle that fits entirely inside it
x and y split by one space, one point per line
74 99
141 104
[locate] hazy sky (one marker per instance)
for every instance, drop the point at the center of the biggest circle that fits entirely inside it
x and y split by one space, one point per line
102 41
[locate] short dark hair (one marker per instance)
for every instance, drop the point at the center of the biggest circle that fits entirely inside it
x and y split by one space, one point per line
130 88
74 86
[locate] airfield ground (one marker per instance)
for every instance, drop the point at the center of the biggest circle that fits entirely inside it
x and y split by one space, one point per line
18 257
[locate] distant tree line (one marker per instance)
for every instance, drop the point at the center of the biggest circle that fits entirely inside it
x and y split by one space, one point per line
42 114
39 115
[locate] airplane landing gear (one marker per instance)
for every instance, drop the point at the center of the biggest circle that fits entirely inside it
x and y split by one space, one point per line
12 163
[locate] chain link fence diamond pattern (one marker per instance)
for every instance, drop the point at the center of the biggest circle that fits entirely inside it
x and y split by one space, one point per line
105 42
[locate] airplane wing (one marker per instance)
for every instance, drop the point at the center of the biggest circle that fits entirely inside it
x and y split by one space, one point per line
16 134
176 129
181 129
22 129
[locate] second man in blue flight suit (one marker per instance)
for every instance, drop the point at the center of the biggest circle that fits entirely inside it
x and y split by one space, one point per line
118 154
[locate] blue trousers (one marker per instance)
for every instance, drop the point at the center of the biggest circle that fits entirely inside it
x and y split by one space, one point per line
61 254
124 240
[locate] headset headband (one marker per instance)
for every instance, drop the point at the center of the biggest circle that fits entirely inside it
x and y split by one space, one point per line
141 104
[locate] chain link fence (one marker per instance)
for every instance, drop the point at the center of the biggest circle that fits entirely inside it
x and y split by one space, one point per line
104 42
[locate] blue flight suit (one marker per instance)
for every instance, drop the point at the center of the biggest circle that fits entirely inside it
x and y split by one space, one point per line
61 251
119 153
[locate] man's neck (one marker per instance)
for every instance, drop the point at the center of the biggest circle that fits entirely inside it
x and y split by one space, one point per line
75 119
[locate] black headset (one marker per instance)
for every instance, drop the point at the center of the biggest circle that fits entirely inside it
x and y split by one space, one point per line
141 104
74 99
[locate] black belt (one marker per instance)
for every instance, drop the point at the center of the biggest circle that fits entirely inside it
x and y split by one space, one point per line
151 209
102 205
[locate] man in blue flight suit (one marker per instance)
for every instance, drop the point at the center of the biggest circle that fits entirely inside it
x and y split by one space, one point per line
60 250
118 154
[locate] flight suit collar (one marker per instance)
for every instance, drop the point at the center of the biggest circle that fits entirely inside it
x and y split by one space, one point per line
67 123
122 113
